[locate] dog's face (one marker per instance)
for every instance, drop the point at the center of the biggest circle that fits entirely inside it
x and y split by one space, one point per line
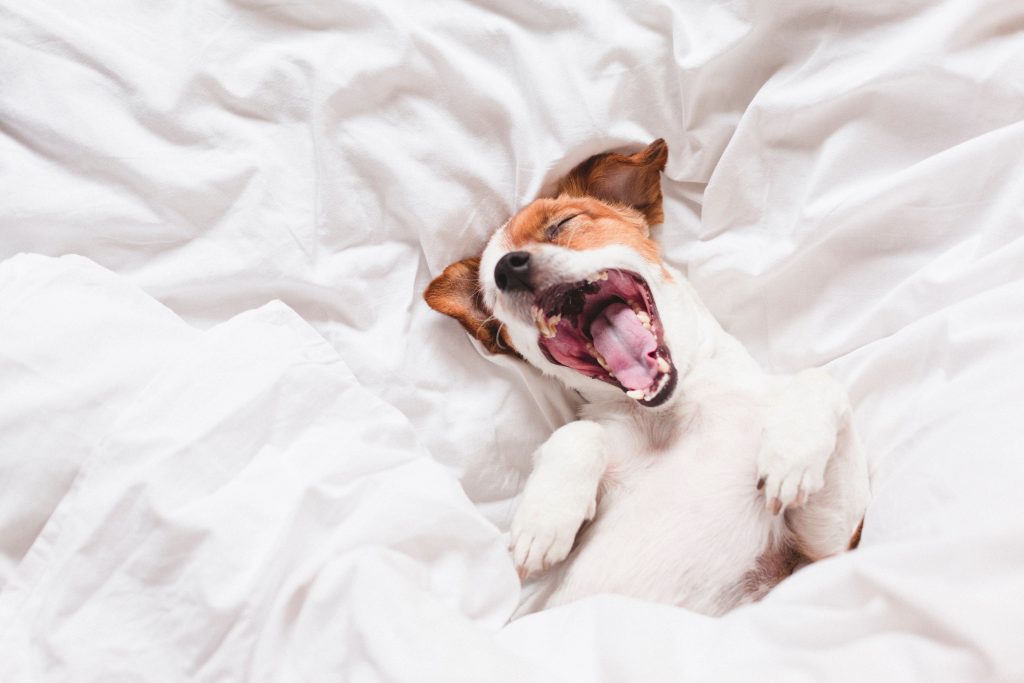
573 284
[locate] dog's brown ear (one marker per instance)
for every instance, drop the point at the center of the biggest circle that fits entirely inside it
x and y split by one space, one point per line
633 180
456 292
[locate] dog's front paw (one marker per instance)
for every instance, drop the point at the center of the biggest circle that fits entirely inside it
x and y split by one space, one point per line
543 534
789 472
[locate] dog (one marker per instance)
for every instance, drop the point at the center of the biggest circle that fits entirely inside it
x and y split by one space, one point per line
692 477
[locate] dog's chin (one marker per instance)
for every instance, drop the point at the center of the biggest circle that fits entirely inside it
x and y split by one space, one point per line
607 328
597 390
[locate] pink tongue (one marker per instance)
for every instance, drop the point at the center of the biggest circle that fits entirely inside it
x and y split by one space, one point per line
626 346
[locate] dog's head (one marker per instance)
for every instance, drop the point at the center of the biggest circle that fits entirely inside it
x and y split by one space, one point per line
573 284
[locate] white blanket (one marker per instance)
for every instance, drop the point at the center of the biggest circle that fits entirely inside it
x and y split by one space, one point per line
191 491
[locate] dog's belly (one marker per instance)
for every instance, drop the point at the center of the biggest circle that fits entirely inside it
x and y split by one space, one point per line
684 526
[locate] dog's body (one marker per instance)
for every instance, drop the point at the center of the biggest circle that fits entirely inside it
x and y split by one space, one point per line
692 477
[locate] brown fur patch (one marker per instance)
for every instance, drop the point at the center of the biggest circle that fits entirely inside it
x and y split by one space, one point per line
772 566
633 180
596 225
456 293
855 539
532 220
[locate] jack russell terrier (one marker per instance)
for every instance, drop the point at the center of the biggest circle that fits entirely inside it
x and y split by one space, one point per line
692 477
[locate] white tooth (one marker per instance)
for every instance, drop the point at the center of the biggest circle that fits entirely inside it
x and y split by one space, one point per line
663 364
645 319
661 385
657 390
599 358
553 321
636 394
544 324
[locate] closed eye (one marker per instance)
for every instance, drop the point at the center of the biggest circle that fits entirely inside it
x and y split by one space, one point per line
553 230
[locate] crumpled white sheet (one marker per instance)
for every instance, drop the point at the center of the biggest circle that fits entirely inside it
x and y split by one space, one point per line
242 508
844 188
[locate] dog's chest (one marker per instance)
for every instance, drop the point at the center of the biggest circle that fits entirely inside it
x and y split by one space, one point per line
679 518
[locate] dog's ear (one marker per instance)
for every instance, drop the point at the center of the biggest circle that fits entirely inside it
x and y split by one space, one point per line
456 292
633 180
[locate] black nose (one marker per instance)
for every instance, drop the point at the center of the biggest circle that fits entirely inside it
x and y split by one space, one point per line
513 272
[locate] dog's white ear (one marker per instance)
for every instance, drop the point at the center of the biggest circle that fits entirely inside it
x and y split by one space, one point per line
633 180
456 293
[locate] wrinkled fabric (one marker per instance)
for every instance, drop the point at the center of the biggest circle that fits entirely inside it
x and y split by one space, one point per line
250 512
844 188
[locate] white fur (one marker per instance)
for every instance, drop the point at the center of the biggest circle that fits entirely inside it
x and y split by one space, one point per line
672 490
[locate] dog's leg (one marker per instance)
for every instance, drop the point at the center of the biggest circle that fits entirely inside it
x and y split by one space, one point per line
830 521
559 496
811 464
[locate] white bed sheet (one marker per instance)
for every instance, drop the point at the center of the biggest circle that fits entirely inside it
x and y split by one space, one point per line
844 188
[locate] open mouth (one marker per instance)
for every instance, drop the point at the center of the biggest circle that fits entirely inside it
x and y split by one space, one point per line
607 327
